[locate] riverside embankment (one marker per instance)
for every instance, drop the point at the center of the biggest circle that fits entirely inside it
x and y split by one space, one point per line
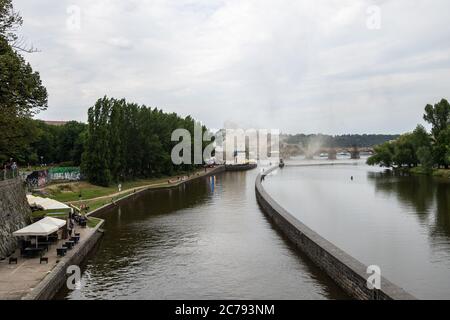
350 274
30 279
56 278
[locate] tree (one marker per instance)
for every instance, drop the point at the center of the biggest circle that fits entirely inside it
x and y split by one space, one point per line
95 160
384 155
69 142
438 116
441 148
404 152
22 94
425 157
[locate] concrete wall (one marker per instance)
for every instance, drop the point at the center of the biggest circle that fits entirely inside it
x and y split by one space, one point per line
346 271
15 213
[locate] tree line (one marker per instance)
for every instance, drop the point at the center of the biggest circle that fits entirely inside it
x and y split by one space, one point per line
429 150
128 141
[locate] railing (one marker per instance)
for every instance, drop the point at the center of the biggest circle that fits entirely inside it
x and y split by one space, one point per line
6 174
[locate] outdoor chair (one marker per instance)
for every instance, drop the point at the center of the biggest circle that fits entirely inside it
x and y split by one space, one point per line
75 239
12 260
61 252
69 244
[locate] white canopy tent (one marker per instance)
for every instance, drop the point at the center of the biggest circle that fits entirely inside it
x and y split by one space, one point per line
43 227
53 221
47 203
36 229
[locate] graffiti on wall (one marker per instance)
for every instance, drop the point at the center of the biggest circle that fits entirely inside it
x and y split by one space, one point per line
39 179
64 173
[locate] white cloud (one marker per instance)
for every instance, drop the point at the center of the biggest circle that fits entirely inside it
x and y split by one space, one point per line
307 65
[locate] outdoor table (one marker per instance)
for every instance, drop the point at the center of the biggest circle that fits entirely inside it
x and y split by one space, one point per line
61 251
45 244
30 252
69 244
75 239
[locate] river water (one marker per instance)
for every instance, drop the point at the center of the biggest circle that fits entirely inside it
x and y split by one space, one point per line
207 239
400 223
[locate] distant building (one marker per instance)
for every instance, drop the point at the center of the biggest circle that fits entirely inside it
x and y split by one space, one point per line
55 123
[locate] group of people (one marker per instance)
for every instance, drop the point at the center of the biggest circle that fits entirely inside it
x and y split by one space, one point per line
9 169
10 165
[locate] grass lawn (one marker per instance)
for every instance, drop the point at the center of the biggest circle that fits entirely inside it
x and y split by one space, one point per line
93 222
50 213
65 192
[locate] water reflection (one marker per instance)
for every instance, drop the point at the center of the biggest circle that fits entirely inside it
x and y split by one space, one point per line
427 195
399 222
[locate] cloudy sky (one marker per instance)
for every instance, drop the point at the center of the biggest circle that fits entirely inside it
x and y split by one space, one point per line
330 66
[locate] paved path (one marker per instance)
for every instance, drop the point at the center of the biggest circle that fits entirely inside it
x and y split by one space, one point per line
17 280
169 182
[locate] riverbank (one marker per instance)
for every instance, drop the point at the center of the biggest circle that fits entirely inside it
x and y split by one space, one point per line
440 173
94 197
31 280
97 206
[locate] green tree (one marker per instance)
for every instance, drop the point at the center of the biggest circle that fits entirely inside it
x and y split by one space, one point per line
95 163
10 21
441 148
425 157
438 116
22 94
384 155
404 152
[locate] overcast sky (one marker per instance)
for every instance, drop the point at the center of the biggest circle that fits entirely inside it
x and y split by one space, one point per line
336 66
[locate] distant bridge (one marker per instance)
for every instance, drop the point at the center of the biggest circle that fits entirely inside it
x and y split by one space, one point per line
290 150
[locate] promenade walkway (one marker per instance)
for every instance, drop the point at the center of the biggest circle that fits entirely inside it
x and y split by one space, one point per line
17 280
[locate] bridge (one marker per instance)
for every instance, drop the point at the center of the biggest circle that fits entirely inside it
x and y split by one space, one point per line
292 150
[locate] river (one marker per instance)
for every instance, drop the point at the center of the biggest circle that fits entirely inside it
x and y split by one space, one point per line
398 222
207 239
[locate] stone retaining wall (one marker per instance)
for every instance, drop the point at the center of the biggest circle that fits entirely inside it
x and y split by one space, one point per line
346 271
15 213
